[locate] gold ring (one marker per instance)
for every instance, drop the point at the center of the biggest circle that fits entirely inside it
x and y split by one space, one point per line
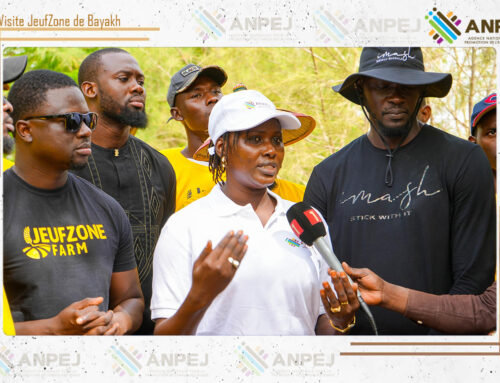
336 309
344 303
233 262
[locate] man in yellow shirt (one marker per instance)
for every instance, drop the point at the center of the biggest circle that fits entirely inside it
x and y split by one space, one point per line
192 94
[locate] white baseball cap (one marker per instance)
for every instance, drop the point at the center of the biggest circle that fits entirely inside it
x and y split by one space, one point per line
245 110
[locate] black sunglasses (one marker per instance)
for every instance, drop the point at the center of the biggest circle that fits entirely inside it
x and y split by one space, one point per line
72 121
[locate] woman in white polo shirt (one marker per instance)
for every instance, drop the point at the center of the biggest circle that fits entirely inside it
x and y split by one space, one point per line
260 279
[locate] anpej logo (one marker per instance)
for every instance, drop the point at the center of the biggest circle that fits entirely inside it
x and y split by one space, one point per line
332 26
444 27
210 24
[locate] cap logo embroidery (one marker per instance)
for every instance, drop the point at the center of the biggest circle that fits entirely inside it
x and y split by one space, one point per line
249 104
492 99
253 104
394 56
192 69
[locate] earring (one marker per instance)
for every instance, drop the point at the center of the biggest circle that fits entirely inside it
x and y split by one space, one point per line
223 162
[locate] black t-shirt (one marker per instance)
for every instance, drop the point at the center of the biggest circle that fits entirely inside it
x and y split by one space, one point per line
433 230
60 246
142 180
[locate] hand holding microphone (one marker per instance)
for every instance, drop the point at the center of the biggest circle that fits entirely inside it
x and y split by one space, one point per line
307 224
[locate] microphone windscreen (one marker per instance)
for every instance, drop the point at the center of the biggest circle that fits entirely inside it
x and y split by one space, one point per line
305 222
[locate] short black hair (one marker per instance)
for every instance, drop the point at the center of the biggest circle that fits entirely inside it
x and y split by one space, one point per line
89 66
29 91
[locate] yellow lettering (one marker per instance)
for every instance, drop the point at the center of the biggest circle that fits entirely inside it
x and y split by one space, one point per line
71 230
82 233
62 251
53 235
93 231
62 233
54 250
43 234
102 233
71 250
81 247
37 236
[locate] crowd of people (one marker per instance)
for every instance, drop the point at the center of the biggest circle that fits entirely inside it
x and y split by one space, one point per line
104 235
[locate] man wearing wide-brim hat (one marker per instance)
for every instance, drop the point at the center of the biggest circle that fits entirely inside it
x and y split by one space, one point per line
412 202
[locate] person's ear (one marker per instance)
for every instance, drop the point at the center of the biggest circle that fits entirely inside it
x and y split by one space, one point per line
219 146
176 114
23 131
89 89
472 139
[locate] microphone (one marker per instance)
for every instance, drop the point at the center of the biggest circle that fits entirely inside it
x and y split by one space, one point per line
307 224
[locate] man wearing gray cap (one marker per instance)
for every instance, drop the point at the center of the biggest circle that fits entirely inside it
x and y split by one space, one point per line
407 200
13 68
192 94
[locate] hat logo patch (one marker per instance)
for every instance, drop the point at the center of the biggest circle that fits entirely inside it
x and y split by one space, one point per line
492 99
192 69
249 104
387 56
253 104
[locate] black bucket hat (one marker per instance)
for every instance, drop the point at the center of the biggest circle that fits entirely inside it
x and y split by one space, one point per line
398 65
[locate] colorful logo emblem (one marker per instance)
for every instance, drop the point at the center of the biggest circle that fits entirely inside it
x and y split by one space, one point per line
5 361
443 27
293 242
209 24
249 104
252 361
330 27
126 361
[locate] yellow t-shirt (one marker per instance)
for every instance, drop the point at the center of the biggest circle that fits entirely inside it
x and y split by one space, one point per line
6 164
8 324
194 180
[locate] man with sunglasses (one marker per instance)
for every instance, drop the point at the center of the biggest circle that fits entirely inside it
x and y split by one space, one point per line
136 175
69 267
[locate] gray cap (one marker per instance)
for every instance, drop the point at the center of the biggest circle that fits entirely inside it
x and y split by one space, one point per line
13 68
186 76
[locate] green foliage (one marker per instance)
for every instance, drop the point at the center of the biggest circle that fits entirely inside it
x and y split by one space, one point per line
298 79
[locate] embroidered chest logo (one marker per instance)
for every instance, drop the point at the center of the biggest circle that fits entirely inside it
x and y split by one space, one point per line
293 242
60 241
404 198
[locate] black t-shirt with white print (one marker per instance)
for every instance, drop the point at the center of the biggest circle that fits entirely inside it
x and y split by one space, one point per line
433 230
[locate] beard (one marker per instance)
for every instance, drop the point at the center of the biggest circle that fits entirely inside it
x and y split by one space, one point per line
398 132
122 114
8 144
77 165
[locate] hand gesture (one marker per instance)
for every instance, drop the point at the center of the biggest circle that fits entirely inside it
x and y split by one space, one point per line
340 309
81 317
215 268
